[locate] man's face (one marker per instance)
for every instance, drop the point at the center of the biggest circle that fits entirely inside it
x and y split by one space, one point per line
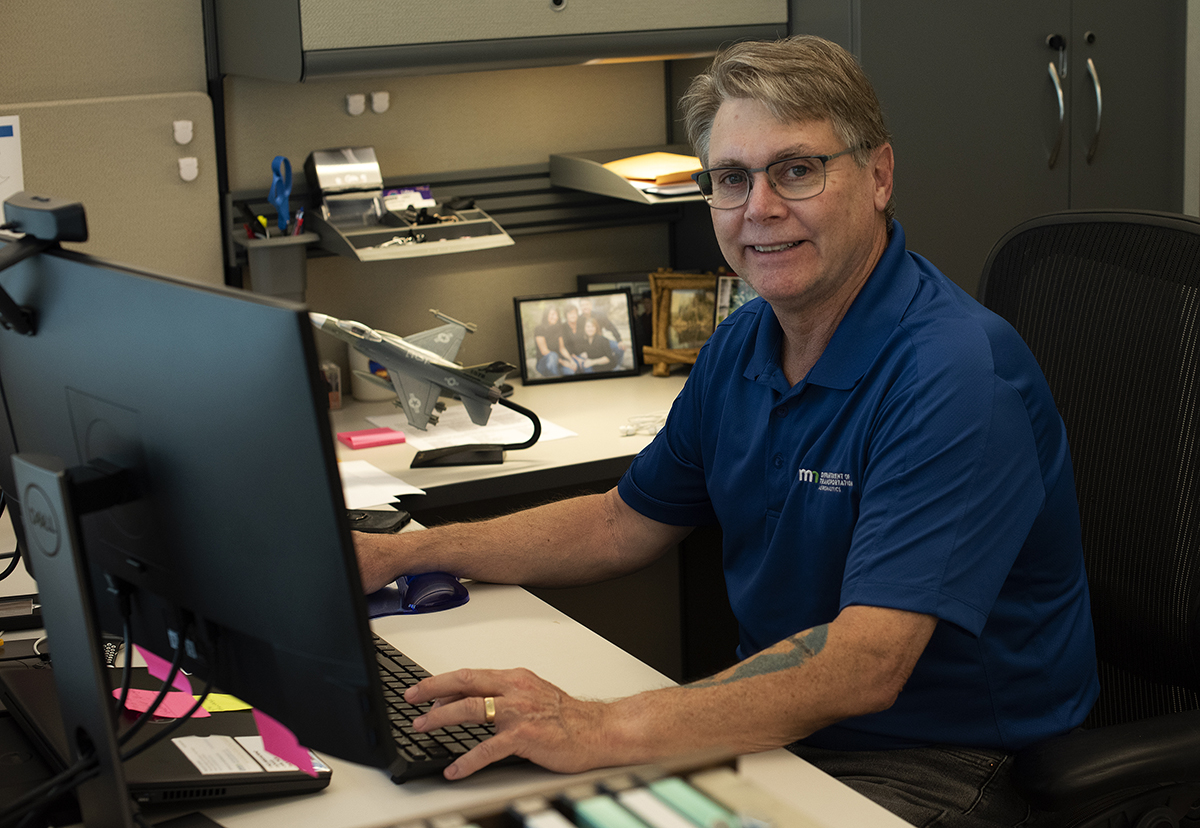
798 254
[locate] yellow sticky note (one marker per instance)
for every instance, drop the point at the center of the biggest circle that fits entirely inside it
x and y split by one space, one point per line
218 702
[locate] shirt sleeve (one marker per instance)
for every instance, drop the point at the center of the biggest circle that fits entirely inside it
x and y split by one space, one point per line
673 463
953 485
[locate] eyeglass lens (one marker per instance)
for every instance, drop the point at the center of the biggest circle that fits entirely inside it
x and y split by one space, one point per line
793 178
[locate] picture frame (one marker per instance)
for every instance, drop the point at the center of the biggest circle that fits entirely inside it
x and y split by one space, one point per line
732 292
684 317
575 336
638 284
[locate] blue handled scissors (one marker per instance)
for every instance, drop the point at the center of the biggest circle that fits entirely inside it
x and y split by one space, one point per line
281 190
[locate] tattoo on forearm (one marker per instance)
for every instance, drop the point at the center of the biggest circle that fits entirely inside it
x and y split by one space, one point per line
805 645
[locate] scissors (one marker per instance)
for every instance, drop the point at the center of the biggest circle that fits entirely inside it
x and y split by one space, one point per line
281 189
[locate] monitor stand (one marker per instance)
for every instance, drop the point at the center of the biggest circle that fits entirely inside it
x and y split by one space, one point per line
52 497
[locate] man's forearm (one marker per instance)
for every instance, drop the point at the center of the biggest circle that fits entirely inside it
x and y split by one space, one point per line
569 542
851 667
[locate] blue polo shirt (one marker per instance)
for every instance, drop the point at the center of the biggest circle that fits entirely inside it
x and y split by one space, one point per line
922 466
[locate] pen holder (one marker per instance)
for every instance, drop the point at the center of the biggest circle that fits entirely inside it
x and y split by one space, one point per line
278 265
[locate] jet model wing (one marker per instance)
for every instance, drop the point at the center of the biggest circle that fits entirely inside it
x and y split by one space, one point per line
417 397
443 340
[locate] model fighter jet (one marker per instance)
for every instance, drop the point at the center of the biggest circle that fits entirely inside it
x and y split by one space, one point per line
420 367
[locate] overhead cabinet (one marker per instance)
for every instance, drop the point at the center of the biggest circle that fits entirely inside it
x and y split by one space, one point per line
1004 111
296 40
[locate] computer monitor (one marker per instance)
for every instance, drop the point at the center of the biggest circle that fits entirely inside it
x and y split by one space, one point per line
233 532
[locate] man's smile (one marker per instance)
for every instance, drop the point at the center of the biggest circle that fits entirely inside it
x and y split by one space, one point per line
773 248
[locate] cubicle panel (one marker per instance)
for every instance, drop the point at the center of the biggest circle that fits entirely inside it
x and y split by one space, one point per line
120 158
61 51
444 123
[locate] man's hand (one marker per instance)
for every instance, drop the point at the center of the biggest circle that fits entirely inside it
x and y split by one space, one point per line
855 665
534 720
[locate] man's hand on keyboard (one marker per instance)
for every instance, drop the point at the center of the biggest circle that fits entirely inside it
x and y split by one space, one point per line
534 719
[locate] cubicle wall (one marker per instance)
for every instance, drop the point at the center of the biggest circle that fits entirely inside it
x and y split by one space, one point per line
439 124
97 88
119 157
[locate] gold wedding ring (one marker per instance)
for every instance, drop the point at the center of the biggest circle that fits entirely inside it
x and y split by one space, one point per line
489 709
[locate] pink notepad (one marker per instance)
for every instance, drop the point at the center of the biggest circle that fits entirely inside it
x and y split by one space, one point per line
371 437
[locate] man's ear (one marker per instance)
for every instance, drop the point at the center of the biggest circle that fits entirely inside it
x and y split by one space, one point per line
883 166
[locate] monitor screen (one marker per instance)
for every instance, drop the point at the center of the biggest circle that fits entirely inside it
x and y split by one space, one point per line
212 400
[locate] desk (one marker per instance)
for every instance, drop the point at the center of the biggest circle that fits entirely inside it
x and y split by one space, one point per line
593 409
505 626
674 614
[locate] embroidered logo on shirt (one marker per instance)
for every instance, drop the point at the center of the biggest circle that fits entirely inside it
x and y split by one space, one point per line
826 481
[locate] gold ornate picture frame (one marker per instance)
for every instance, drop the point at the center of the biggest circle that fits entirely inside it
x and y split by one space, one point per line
684 314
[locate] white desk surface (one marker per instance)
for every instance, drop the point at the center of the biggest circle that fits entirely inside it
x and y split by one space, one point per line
504 626
593 409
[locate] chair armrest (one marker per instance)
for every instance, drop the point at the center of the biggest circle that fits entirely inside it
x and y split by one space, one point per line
1085 765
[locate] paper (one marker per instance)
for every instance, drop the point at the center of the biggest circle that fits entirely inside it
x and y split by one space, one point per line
212 755
281 742
174 706
269 761
370 437
160 668
366 485
454 428
658 167
12 172
216 754
222 702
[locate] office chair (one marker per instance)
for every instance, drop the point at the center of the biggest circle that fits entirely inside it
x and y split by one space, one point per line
1109 303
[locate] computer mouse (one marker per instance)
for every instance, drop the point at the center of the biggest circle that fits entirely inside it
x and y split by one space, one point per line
430 592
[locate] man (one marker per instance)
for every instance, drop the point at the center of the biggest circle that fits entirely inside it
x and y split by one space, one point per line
888 468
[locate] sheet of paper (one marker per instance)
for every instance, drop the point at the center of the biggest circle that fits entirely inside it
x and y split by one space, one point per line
278 740
12 172
175 705
660 167
366 485
454 428
160 668
269 761
216 754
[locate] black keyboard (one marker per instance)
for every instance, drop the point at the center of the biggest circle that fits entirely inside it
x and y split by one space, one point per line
420 754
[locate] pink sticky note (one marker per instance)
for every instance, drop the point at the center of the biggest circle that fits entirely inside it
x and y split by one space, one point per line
281 742
160 668
370 437
174 706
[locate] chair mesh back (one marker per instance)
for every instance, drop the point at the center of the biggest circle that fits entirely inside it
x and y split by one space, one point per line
1109 304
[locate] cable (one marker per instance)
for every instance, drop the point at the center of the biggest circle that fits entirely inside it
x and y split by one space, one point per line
172 727
15 555
39 798
649 424
162 694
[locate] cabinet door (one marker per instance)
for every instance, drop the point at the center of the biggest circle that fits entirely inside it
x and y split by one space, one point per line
1137 77
974 114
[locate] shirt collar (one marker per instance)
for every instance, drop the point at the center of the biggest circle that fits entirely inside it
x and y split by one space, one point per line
861 334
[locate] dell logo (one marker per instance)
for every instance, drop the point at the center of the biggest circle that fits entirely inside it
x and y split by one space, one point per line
42 526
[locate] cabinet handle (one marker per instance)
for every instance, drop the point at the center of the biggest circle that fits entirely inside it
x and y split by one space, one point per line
1062 114
1091 153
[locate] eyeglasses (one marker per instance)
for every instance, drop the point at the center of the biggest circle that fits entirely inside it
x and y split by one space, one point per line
795 179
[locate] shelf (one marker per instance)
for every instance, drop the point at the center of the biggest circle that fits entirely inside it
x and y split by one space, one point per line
471 229
585 171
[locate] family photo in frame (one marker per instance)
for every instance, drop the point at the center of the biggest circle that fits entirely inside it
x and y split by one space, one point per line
575 336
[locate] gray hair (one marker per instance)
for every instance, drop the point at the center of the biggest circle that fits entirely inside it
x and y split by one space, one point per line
798 79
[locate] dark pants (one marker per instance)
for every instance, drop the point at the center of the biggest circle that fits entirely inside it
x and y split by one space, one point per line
940 786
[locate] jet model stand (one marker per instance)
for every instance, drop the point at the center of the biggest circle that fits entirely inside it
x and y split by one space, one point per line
420 368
